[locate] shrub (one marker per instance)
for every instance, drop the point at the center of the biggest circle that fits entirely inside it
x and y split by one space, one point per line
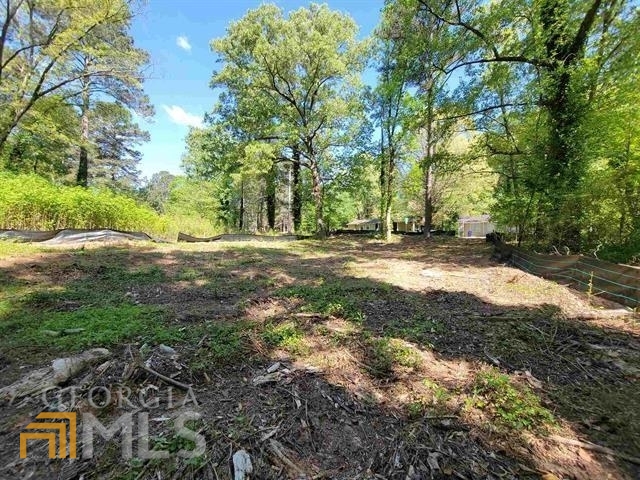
30 202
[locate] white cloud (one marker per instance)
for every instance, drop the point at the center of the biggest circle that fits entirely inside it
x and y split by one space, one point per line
183 43
181 117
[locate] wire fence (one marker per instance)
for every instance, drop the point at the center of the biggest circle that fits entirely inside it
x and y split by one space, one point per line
619 283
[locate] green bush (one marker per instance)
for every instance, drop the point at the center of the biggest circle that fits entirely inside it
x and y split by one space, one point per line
30 202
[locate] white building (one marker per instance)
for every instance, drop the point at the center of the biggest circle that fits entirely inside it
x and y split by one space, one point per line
367 224
475 227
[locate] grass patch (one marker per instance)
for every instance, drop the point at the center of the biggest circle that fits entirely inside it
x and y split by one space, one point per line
339 299
511 406
189 274
86 327
102 285
14 249
383 354
287 336
418 328
104 326
121 276
226 343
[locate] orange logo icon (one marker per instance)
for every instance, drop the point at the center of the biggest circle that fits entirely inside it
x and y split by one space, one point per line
60 428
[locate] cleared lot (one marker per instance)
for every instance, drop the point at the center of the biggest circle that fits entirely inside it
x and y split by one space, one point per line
410 360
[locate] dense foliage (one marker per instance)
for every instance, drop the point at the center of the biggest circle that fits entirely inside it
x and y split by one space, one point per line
549 91
32 203
525 110
70 76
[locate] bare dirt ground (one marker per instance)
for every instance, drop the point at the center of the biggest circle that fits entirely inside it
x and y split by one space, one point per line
346 359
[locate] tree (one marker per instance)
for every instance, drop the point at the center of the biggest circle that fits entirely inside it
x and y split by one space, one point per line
298 77
559 49
611 189
391 107
213 154
46 141
427 49
116 139
157 190
38 42
109 49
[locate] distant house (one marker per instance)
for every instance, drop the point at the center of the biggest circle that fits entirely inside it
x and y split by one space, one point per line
408 225
475 227
405 225
365 225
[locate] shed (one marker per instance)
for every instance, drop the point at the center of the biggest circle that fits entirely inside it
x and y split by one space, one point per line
475 227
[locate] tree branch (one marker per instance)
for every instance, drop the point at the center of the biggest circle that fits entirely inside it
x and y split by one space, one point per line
484 110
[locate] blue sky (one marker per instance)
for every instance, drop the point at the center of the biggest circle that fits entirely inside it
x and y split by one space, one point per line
177 35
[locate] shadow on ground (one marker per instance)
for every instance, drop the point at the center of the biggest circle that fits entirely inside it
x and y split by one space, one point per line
413 384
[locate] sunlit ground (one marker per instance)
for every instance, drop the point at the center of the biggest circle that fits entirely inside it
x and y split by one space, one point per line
422 357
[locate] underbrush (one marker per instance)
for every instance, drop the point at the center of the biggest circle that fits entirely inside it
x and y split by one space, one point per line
511 406
30 202
194 225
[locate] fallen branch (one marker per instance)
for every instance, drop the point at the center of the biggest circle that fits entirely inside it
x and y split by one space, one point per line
169 380
311 315
595 448
277 451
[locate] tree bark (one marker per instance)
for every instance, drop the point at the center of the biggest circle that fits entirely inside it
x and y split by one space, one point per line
428 200
271 197
427 165
296 206
386 188
318 200
82 178
241 210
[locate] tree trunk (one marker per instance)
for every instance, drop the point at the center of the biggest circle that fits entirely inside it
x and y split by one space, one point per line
259 217
385 210
82 178
386 188
271 197
428 200
297 192
427 166
241 212
318 200
387 224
